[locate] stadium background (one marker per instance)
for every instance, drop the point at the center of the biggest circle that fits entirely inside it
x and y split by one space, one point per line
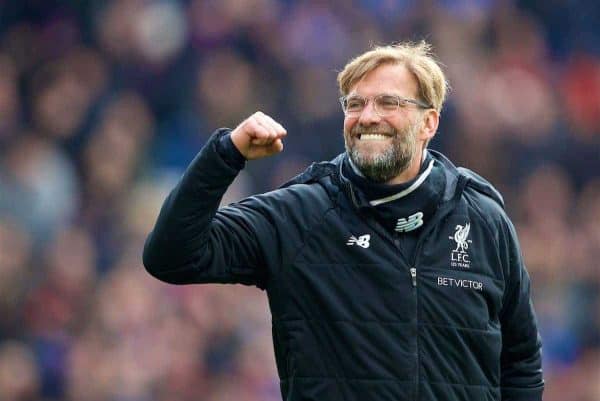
103 103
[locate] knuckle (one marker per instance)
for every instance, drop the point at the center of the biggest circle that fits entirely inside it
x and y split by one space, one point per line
250 124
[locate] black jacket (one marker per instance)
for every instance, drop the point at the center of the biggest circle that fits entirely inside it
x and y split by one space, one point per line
352 319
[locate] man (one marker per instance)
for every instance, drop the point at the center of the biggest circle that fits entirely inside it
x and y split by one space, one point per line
391 274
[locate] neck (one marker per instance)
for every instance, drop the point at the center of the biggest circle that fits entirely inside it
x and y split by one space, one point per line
411 172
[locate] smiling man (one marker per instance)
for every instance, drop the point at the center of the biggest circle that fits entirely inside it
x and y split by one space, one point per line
391 274
381 131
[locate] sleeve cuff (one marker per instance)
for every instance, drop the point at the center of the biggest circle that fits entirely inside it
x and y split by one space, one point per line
229 153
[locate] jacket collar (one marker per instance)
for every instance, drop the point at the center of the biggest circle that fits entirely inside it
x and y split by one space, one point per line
457 178
361 202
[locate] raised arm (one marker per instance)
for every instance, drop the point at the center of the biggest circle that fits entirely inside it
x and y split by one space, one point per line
194 242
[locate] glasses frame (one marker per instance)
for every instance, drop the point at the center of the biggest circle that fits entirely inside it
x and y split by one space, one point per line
399 99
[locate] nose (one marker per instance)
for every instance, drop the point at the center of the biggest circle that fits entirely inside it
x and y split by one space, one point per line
369 116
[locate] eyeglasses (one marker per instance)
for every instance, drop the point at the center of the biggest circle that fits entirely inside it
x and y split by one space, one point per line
384 105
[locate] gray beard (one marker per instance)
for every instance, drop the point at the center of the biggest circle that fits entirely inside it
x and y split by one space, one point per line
390 163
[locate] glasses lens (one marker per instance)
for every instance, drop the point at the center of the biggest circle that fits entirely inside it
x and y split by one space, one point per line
354 104
386 104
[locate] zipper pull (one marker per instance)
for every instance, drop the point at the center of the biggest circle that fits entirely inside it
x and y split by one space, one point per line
413 274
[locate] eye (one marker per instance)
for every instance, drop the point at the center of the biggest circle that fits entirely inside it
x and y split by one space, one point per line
388 102
354 103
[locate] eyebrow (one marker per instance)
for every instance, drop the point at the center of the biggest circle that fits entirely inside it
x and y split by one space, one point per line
377 94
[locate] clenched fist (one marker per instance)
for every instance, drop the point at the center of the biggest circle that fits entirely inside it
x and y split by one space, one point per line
258 136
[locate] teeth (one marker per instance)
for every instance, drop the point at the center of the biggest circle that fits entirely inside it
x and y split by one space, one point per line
372 137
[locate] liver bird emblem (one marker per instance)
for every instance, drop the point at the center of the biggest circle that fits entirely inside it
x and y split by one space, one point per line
460 236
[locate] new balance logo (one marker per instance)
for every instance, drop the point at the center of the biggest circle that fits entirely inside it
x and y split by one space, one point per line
362 241
410 223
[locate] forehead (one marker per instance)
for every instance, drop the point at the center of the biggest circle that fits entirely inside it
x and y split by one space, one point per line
387 78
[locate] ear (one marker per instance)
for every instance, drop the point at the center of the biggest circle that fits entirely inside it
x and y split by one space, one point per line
431 120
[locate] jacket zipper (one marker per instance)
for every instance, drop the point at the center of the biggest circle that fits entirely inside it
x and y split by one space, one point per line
413 275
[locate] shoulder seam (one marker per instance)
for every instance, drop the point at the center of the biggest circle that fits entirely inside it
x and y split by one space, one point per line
488 224
484 190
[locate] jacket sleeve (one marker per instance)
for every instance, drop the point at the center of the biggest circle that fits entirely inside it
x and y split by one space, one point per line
521 359
193 241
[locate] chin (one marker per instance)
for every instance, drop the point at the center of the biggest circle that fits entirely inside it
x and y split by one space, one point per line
373 150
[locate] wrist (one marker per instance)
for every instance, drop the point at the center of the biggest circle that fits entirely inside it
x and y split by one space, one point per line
230 152
238 141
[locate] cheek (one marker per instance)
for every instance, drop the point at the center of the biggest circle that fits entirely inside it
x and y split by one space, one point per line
399 124
349 123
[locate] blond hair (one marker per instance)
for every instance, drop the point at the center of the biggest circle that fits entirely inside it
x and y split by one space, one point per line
416 57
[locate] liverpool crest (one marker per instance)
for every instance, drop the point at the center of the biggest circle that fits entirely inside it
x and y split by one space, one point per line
459 257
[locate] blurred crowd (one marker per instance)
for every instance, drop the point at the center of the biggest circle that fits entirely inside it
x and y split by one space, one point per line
104 103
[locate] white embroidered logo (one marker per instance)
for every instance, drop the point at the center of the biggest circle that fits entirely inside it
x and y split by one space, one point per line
459 257
410 223
362 241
